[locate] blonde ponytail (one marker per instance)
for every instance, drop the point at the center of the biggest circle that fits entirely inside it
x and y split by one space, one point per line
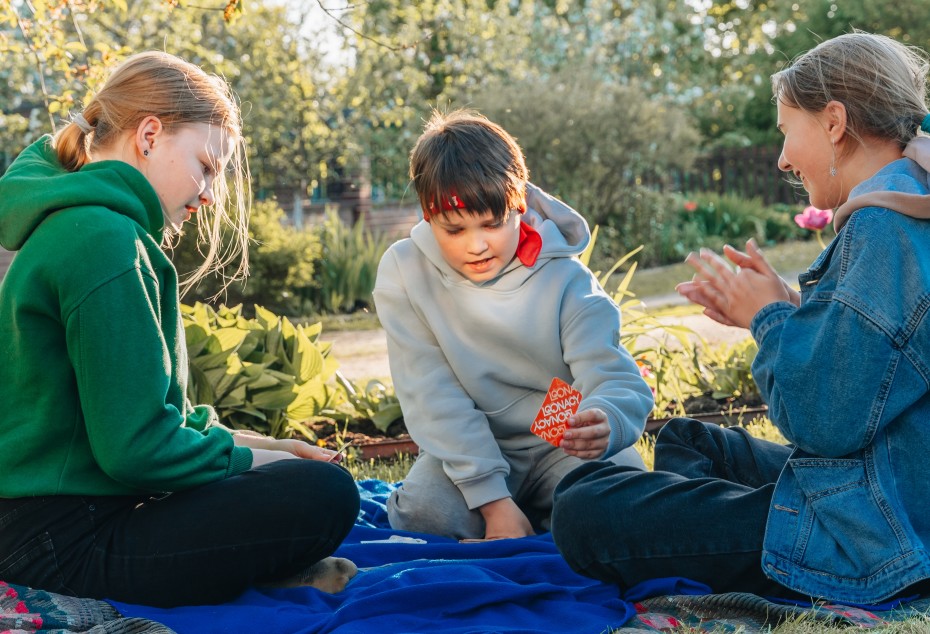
179 93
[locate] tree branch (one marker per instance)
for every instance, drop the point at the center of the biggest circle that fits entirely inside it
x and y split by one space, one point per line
77 28
337 20
39 66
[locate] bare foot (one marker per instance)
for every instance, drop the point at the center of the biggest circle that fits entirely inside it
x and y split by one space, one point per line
329 575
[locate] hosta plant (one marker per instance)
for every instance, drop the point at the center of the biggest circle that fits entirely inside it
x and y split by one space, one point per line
375 401
264 374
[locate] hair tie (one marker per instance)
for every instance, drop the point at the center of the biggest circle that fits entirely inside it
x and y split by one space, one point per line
925 124
79 120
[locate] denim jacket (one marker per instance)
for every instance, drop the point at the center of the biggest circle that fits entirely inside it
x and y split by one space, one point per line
846 378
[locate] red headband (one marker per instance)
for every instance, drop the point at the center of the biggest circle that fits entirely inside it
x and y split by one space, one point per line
530 242
447 203
450 203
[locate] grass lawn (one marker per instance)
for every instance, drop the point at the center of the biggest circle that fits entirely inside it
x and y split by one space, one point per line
360 320
787 258
385 469
808 626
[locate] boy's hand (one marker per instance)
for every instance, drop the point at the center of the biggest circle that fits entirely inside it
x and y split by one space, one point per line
587 434
504 519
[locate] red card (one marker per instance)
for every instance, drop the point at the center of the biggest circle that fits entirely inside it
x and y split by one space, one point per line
561 402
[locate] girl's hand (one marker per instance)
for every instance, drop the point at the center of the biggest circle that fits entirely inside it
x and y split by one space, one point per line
733 297
306 450
587 434
293 447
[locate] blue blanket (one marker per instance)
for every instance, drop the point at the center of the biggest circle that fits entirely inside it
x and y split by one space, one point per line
410 582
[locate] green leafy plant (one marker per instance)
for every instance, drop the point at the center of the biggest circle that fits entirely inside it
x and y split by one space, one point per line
723 372
642 216
345 275
376 402
703 378
263 374
727 216
674 362
712 220
282 262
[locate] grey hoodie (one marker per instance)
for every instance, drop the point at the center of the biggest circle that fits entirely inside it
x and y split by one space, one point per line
472 362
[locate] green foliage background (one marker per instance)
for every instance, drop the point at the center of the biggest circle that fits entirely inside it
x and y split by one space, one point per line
607 97
310 114
282 265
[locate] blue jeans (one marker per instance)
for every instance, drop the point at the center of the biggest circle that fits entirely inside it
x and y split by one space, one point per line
700 514
199 546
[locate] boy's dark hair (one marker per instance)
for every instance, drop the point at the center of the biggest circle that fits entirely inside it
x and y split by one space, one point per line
466 162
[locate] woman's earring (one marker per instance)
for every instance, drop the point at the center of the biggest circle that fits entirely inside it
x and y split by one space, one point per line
833 162
146 153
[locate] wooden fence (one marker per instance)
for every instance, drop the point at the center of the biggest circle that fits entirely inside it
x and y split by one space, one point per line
393 221
750 172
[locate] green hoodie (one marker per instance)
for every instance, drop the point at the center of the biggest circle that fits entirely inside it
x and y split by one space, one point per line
94 366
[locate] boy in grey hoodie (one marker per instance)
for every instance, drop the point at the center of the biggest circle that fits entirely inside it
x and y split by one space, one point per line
483 306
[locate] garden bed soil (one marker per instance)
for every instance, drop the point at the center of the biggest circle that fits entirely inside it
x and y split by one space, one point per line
367 441
704 407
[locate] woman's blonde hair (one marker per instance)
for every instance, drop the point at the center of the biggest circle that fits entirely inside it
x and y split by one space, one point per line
178 93
881 82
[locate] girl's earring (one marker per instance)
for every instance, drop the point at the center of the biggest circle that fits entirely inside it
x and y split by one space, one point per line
146 153
833 162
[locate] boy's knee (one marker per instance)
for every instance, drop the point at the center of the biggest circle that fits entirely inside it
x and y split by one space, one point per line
628 457
420 514
399 511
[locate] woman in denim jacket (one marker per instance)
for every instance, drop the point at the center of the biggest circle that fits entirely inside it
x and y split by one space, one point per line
844 512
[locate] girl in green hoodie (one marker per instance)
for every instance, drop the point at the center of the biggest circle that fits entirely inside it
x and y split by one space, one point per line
112 484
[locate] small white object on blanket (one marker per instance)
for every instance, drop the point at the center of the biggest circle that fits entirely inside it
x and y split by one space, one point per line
396 539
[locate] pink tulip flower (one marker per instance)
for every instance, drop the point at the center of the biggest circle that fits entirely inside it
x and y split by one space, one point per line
690 206
813 218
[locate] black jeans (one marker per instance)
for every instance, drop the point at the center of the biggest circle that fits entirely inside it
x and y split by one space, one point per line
199 546
700 514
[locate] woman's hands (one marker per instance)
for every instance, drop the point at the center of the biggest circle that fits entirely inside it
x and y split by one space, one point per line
266 449
587 434
733 297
